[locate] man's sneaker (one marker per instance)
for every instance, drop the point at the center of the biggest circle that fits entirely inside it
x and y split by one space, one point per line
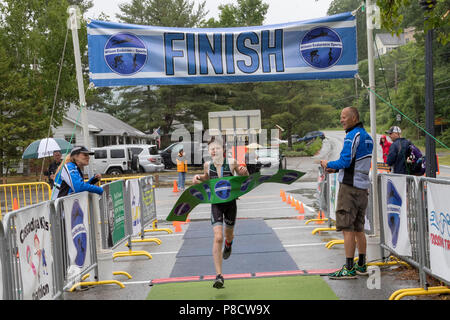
218 283
226 252
361 270
343 273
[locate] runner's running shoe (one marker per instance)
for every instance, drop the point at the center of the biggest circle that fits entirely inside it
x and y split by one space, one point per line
218 283
343 274
226 252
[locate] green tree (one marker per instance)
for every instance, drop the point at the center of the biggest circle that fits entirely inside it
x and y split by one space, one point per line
245 13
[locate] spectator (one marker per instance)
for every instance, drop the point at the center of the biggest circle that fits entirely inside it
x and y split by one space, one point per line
385 144
354 182
251 159
181 168
397 152
50 173
69 177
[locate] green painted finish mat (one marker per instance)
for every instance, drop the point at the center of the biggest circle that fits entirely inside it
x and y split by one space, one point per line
274 288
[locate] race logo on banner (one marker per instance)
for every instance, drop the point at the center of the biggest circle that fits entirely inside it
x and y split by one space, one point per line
128 54
115 212
35 252
395 220
135 205
76 219
439 229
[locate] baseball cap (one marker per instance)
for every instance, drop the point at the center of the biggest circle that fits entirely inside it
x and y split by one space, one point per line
80 149
394 129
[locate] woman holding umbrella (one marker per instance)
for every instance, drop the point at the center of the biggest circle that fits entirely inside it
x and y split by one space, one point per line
69 177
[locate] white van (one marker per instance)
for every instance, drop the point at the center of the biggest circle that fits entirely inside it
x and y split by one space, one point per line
126 158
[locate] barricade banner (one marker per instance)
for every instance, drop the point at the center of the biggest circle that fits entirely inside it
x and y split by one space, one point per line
134 205
439 229
333 185
148 206
395 219
33 240
129 54
77 234
113 207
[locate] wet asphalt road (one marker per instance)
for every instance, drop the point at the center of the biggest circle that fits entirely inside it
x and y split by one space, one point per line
307 250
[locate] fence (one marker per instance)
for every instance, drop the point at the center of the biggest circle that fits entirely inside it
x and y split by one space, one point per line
53 246
414 224
18 195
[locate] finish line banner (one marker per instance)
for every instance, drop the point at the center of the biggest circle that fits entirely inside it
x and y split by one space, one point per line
129 55
225 189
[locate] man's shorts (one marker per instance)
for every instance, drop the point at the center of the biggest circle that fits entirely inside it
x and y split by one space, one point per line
221 212
351 208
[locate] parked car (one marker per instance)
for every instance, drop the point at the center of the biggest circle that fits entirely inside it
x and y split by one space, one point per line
128 158
271 160
196 153
149 158
311 136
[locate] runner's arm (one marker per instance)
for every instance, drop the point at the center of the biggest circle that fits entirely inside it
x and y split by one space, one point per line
202 177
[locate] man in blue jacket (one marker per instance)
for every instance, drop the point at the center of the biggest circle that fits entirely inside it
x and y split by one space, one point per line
354 166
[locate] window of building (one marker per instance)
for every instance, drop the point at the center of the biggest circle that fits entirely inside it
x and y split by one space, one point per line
69 137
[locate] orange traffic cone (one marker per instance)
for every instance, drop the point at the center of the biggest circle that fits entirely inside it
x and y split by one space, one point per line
15 204
175 186
294 203
283 196
288 200
319 216
301 209
177 226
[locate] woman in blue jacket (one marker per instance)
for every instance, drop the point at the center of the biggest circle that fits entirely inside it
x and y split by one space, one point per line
69 177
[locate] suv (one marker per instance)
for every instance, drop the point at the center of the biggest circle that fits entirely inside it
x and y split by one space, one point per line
118 159
196 153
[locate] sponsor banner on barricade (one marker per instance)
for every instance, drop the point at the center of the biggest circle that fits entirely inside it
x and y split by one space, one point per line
333 188
75 213
395 219
113 209
148 206
128 54
35 253
134 205
439 228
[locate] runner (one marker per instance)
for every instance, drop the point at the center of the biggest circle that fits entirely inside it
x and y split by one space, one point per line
219 167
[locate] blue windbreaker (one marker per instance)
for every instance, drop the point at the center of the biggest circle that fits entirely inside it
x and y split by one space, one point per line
70 180
354 161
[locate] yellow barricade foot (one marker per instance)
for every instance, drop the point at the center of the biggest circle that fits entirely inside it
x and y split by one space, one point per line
94 283
397 295
323 229
131 253
332 243
116 273
316 220
156 240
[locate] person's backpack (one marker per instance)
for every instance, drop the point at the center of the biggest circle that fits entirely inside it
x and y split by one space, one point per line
415 161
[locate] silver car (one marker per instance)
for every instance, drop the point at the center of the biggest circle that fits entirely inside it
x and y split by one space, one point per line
149 158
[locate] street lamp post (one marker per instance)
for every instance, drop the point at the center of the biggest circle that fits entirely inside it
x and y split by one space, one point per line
430 145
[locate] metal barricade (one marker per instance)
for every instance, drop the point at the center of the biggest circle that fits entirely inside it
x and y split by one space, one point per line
5 286
14 196
435 227
400 219
33 253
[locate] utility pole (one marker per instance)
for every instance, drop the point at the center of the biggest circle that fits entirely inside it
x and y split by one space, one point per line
74 25
430 145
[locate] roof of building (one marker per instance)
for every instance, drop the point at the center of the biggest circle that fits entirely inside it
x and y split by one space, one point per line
391 40
104 124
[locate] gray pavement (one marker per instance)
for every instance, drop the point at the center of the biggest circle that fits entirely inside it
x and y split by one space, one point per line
307 250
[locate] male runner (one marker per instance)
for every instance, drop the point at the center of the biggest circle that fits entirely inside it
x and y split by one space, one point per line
218 167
